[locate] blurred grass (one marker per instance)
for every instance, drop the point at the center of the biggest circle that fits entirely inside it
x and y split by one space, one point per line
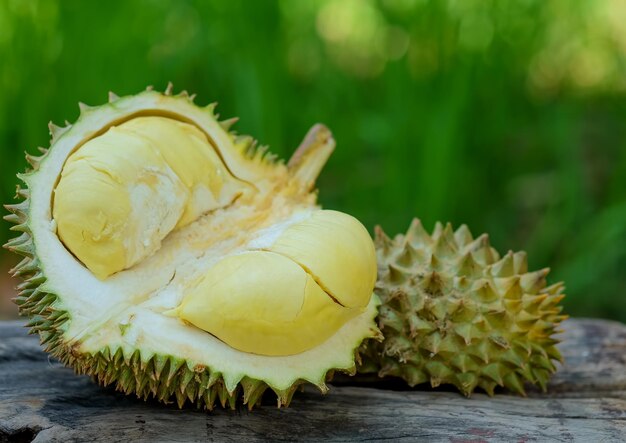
507 116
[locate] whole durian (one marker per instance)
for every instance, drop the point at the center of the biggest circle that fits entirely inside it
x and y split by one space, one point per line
455 312
171 258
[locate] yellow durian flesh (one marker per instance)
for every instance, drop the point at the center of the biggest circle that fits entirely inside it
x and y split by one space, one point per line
336 249
122 193
293 295
264 303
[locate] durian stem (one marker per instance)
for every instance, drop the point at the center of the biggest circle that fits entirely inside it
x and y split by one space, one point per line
306 163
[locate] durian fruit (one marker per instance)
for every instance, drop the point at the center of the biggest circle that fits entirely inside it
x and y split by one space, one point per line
173 259
455 312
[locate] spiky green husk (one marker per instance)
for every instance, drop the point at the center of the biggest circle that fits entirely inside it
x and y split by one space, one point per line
162 377
454 312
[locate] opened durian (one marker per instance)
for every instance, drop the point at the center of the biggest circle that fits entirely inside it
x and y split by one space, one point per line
172 259
455 312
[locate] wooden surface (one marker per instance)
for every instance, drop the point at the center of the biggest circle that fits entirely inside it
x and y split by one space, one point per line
42 401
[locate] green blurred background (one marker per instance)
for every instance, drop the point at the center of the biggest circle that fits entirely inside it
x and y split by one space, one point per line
508 116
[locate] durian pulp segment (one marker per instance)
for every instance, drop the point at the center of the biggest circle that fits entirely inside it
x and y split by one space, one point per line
122 192
285 297
335 249
152 211
263 302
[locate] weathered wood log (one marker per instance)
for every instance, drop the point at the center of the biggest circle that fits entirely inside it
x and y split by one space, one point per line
42 401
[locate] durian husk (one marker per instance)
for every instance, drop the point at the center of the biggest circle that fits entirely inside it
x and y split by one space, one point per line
165 378
455 312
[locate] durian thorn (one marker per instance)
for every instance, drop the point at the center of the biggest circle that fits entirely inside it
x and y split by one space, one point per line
55 131
504 266
437 231
463 235
443 246
17 209
33 160
479 243
416 233
377 335
306 163
113 97
357 358
149 88
83 107
435 382
211 108
23 193
407 255
521 260
396 275
228 123
323 387
555 288
169 89
351 371
382 240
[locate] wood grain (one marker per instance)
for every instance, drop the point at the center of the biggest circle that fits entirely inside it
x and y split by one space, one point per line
42 401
